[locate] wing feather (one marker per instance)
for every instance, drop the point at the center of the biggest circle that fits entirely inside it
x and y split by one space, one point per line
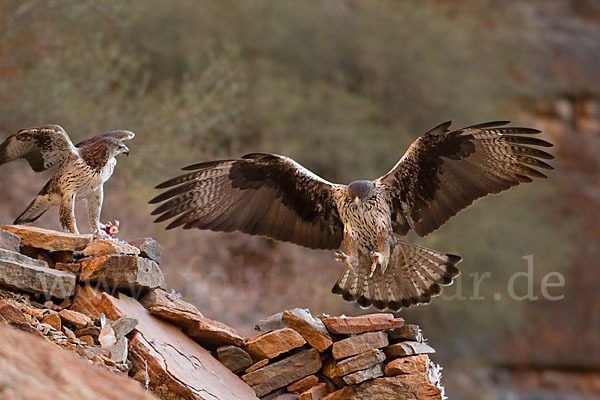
445 171
42 146
119 135
259 194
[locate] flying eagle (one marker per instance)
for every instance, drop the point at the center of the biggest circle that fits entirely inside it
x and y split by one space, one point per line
442 172
82 170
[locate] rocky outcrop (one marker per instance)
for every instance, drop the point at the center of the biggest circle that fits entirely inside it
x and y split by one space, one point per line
117 315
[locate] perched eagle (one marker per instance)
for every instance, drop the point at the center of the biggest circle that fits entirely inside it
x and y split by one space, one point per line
82 170
442 172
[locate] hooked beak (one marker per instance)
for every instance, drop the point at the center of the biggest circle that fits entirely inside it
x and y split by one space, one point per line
356 202
126 151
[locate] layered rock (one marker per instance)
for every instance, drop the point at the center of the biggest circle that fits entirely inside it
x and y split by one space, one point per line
171 348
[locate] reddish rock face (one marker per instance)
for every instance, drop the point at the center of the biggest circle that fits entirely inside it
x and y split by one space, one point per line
272 344
22 357
78 320
418 364
47 239
312 330
359 344
362 324
53 320
316 392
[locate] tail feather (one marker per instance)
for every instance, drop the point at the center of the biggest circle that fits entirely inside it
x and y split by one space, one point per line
34 210
413 276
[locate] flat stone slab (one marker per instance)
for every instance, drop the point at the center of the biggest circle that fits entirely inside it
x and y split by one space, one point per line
312 330
270 323
407 332
274 343
390 388
210 334
9 241
316 392
418 364
284 372
149 248
404 349
48 239
108 247
234 358
361 361
303 384
77 319
175 363
123 272
362 324
357 377
359 344
34 276
169 306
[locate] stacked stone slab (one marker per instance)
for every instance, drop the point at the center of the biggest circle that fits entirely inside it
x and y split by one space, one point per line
51 262
365 357
105 301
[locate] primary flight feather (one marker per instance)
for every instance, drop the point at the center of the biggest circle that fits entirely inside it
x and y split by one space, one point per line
442 172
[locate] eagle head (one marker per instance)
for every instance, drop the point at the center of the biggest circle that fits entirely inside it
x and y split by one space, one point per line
360 191
116 147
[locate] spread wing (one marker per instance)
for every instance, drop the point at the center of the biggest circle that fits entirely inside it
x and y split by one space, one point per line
119 135
444 171
42 146
259 194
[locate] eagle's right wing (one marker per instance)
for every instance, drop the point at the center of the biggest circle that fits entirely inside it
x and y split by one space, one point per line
444 171
42 146
119 135
259 194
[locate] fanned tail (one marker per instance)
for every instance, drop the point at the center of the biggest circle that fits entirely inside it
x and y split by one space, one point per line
413 276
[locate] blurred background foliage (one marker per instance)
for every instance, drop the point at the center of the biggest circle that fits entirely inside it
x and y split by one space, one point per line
343 87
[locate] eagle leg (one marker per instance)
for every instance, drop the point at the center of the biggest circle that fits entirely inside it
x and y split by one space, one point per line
94 207
377 260
381 257
67 213
350 257
345 258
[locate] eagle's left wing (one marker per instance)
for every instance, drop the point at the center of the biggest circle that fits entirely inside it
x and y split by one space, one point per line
444 171
259 194
42 146
120 135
